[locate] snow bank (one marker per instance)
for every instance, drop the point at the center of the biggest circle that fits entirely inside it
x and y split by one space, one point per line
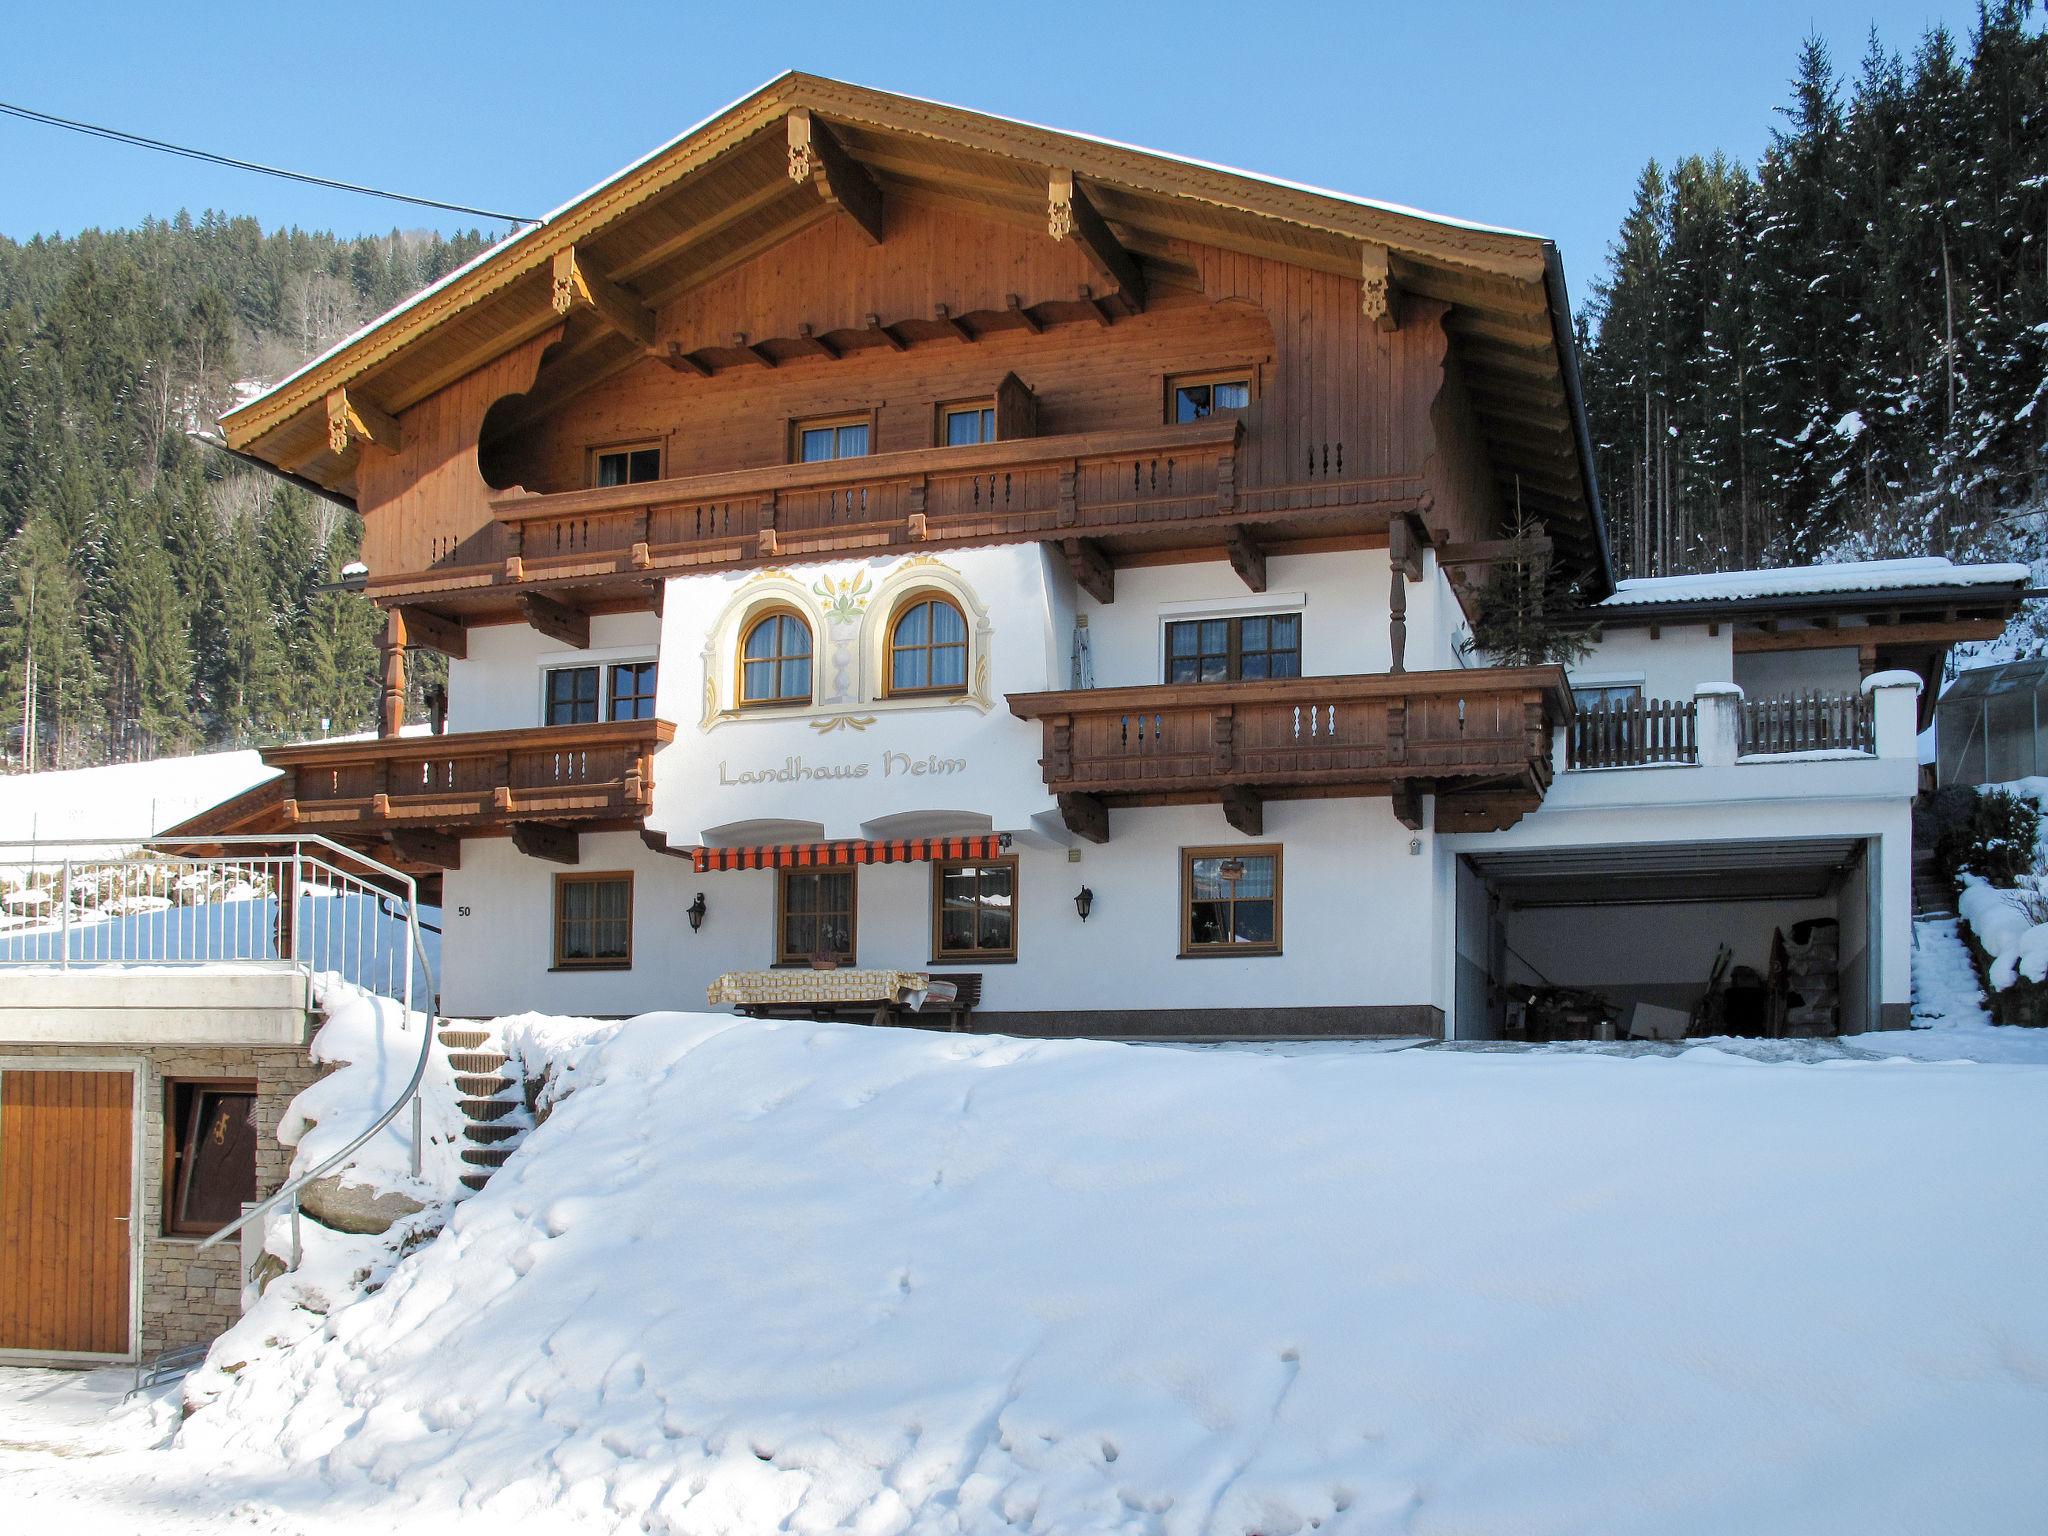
374 1048
2018 947
751 1277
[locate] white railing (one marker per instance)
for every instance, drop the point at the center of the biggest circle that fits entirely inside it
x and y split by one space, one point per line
210 901
306 903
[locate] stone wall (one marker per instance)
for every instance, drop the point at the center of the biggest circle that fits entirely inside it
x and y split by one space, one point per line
187 1296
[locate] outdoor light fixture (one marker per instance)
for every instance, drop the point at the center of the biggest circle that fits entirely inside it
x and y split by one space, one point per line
1083 900
697 909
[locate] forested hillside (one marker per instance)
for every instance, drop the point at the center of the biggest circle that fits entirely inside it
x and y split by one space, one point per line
1844 350
164 596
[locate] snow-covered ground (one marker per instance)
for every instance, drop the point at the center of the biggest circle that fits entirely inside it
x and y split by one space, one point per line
121 799
752 1277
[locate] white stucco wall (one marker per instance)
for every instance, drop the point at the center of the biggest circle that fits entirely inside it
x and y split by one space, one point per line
1359 927
1777 674
498 685
1669 667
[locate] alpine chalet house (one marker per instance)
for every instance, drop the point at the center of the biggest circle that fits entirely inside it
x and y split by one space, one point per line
890 554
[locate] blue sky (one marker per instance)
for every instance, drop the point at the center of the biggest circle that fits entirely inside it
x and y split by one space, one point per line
1529 115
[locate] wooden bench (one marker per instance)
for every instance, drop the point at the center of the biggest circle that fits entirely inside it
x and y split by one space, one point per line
966 998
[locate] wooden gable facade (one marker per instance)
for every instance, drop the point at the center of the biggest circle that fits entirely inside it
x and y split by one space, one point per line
823 252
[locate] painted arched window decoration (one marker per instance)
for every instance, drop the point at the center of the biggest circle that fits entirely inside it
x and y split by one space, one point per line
775 659
928 646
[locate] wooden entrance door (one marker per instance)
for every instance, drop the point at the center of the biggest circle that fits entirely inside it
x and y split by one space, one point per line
66 1181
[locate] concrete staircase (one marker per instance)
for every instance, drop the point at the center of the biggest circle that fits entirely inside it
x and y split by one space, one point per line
1933 896
493 1100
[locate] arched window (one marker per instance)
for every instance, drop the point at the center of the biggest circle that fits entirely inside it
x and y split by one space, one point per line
775 660
928 647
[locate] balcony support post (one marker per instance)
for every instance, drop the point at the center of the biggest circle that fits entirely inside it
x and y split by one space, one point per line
1246 557
1086 816
1404 560
558 621
391 704
544 840
435 850
1245 809
1091 568
1407 798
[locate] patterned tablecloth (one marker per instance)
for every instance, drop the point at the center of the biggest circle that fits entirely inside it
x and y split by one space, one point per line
828 989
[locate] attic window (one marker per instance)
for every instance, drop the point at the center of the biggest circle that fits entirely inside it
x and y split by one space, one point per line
628 465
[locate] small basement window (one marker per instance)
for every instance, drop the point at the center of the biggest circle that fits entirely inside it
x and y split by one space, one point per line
629 465
209 1154
594 922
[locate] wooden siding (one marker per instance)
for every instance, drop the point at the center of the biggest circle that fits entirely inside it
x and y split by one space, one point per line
66 1190
427 504
1339 409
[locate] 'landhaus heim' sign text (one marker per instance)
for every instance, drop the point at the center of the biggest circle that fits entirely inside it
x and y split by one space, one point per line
894 765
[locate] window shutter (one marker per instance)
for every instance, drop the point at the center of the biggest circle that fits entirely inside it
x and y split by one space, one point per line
1016 410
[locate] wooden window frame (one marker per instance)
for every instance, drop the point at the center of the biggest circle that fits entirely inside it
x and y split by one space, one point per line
596 963
610 690
799 425
787 701
1189 950
889 648
173 1171
1247 375
1235 661
948 408
547 683
652 445
943 956
782 878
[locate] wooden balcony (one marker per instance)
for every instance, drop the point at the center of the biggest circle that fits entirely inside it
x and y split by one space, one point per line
422 794
1479 740
1096 493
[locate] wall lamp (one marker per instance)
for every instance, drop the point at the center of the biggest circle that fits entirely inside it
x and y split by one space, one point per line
697 909
1084 899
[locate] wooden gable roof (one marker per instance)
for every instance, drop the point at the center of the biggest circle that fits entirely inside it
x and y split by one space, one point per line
726 191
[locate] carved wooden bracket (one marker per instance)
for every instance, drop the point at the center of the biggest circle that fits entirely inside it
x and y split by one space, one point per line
816 156
1091 568
558 621
544 840
577 285
352 419
1070 215
1378 298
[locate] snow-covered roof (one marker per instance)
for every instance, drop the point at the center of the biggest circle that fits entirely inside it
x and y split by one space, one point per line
1932 571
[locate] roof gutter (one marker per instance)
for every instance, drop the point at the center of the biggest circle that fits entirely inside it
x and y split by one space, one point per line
219 445
1575 401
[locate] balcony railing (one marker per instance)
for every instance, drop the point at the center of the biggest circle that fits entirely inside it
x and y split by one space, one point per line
1081 483
1308 735
560 774
1633 733
1807 722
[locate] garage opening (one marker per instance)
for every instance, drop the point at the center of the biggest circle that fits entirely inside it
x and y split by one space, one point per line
1666 941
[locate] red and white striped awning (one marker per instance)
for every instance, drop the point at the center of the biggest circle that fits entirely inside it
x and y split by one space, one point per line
900 850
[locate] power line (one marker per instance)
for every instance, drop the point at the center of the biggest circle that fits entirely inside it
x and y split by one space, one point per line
29 114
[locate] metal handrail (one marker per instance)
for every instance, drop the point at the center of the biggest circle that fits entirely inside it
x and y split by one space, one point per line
410 1094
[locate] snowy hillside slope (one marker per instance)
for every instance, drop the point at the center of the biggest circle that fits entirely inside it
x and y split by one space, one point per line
121 799
752 1277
